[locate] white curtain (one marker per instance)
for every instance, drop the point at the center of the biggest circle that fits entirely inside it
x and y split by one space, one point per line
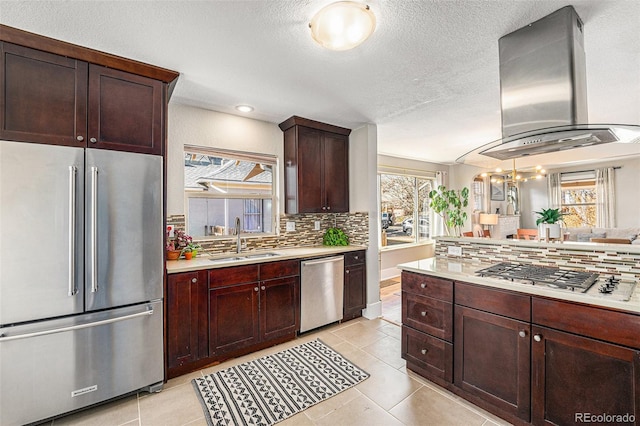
554 190
438 228
605 198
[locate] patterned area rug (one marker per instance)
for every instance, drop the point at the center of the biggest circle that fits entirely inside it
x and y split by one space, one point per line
270 389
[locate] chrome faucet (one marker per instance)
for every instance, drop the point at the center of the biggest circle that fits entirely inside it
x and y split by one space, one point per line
238 242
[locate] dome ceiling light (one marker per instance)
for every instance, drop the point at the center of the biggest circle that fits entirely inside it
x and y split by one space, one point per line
342 25
244 108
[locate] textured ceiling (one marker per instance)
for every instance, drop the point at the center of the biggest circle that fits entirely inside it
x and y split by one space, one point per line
428 76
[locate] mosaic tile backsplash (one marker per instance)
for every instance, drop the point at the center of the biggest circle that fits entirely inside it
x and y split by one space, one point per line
601 260
355 225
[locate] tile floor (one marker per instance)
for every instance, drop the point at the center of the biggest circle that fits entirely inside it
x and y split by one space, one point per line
391 396
391 300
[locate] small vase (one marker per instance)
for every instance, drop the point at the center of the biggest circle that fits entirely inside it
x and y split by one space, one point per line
194 253
173 254
188 255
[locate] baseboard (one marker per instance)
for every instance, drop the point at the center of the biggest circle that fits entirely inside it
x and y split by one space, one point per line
387 274
373 310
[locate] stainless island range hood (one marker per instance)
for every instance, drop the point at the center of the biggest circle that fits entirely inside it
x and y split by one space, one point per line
543 92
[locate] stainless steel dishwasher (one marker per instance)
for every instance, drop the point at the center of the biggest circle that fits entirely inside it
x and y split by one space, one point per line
321 292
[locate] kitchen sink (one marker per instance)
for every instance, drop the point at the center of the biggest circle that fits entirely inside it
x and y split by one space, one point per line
261 255
243 257
227 259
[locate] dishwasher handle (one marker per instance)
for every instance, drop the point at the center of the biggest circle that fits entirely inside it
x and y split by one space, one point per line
322 260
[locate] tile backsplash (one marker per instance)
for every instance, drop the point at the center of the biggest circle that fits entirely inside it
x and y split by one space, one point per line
355 225
599 259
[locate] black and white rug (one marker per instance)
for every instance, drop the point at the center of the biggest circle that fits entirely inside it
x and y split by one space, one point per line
270 389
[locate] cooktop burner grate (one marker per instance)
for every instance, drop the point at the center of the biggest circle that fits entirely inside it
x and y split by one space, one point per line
546 275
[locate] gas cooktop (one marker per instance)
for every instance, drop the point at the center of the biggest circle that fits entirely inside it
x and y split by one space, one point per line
561 279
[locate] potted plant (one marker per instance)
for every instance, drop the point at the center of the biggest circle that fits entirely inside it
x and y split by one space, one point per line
549 219
179 245
449 205
335 237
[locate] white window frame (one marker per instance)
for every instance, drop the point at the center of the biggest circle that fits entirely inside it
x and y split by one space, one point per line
267 159
416 174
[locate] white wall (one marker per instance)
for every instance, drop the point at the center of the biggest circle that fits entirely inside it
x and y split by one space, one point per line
363 146
196 126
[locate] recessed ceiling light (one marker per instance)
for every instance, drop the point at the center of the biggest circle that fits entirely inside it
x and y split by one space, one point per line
342 25
244 108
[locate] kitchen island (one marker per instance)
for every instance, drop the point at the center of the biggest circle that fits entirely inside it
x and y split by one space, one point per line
529 353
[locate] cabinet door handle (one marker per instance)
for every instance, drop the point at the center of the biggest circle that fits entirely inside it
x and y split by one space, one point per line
424 351
324 208
80 138
522 333
423 285
346 271
263 288
328 207
93 140
537 338
423 313
356 257
256 289
194 280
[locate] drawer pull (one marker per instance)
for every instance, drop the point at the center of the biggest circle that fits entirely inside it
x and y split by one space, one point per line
256 289
537 338
423 285
522 333
423 313
424 351
194 280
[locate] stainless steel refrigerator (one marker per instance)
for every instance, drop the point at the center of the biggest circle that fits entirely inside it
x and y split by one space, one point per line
81 269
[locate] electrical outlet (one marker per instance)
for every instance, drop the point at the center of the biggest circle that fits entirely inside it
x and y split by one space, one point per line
291 226
455 251
316 225
170 231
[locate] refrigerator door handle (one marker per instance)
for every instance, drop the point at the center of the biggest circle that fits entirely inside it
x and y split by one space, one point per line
149 311
73 289
94 229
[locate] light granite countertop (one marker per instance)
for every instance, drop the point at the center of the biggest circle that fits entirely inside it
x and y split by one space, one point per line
204 261
462 270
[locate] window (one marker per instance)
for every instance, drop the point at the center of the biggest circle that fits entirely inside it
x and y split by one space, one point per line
579 199
222 185
404 207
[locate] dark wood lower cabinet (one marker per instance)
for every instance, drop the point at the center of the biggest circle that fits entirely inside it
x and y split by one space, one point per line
355 285
187 316
233 318
279 307
492 359
575 377
428 355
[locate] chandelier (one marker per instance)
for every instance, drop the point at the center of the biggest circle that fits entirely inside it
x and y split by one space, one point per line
514 175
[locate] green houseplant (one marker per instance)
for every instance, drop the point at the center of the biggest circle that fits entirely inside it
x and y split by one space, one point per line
335 237
449 205
549 219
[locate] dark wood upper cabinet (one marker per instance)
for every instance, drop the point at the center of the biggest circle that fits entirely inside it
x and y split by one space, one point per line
125 111
57 93
43 97
316 157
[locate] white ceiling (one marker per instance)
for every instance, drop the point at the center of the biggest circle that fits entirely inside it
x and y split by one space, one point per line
427 77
